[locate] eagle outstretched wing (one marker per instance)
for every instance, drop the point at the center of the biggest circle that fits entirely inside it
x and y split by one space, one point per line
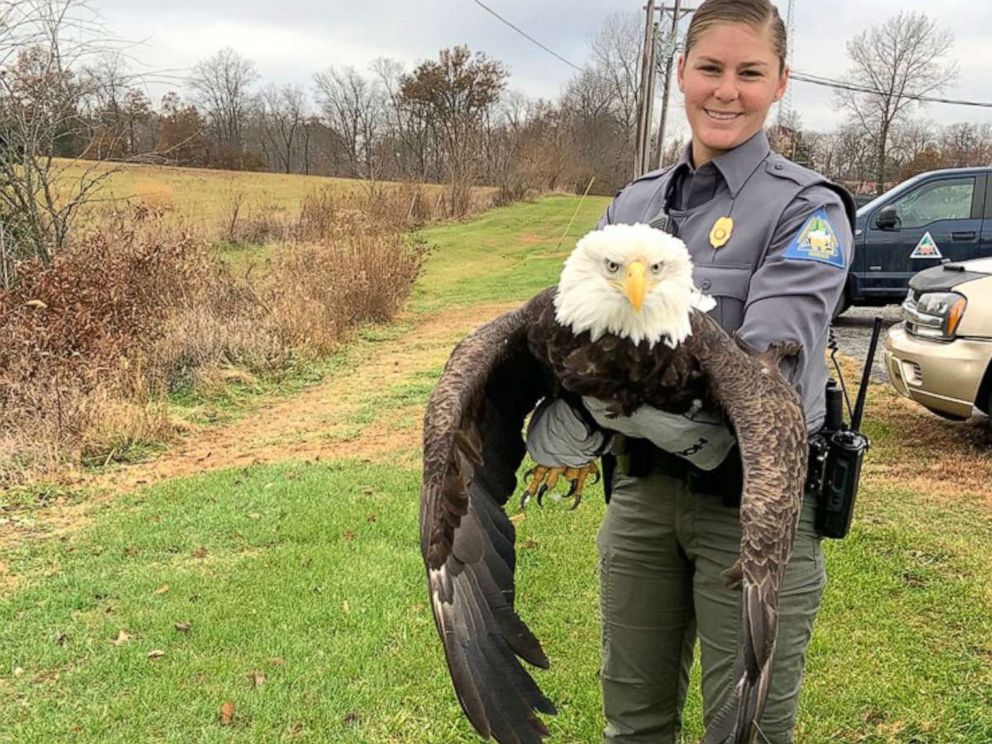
473 445
767 416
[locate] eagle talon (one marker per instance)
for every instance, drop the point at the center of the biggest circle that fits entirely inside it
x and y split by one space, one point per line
542 479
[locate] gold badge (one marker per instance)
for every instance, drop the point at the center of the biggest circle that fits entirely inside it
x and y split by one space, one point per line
723 228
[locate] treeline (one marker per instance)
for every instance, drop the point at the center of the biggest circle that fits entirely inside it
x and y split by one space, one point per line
915 147
451 119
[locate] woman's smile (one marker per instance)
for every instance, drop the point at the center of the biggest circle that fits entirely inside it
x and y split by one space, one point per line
723 116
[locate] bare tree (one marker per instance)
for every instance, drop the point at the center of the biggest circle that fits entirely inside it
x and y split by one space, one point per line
913 137
222 88
846 155
503 136
898 61
616 57
598 143
965 144
282 111
118 112
544 146
458 91
353 107
408 123
44 45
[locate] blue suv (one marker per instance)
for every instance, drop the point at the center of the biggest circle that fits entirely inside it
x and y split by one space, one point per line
935 217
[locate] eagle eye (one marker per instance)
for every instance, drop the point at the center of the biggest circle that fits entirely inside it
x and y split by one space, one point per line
656 267
612 266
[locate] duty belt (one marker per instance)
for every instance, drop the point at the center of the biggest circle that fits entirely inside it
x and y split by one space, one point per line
725 481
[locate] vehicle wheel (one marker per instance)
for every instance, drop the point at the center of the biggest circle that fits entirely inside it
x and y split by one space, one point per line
843 303
983 401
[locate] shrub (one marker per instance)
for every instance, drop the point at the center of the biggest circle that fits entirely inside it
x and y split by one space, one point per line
317 292
77 333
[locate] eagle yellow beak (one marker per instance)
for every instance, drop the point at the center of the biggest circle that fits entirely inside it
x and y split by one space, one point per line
634 285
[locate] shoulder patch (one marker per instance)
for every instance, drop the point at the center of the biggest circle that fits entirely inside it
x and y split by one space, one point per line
817 241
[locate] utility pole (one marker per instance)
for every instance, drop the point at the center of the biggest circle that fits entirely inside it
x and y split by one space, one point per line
646 86
676 16
649 73
785 105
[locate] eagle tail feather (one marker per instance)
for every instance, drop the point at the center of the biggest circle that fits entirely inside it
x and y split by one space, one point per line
737 721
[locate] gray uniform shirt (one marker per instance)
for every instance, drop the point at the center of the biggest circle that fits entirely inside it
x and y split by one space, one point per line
784 267
777 278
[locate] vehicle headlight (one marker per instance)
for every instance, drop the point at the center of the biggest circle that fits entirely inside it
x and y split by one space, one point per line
934 315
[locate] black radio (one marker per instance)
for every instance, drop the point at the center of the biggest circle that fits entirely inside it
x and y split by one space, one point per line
839 451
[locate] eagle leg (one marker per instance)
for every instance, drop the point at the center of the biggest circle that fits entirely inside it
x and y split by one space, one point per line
536 478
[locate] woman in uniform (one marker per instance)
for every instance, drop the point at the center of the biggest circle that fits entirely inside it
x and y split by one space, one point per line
771 242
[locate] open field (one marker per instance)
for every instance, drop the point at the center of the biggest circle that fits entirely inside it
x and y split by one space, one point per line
262 582
203 195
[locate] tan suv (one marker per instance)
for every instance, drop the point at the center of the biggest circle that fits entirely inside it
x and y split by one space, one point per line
940 354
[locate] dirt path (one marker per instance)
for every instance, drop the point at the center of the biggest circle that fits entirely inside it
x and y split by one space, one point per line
324 423
317 424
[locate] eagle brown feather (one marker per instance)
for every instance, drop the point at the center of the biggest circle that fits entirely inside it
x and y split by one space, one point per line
473 446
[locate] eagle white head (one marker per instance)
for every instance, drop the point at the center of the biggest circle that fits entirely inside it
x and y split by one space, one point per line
632 281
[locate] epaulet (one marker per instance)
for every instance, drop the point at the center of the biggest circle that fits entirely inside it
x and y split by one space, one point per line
782 167
655 174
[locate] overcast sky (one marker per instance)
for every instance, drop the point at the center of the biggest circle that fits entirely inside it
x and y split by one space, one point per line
289 40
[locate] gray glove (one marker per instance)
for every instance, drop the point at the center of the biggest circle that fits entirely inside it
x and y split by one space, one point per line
557 436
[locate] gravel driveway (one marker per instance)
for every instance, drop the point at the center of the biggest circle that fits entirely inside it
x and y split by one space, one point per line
853 332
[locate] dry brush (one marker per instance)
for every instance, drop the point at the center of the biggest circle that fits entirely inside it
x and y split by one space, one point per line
138 307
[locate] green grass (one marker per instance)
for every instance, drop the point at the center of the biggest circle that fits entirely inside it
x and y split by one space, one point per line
313 565
235 399
317 568
310 575
412 391
506 254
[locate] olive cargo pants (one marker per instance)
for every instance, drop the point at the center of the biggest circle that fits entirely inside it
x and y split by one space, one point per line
662 549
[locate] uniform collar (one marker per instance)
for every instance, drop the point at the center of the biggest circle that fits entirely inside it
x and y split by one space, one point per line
736 165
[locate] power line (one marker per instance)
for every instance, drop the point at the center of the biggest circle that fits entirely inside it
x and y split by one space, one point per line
795 75
526 35
854 87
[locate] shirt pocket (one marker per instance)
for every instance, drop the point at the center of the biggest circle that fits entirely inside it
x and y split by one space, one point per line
728 285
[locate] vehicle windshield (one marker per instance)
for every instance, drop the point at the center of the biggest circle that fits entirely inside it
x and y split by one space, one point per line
878 200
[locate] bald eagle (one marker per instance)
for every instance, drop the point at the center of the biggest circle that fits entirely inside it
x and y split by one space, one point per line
627 327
